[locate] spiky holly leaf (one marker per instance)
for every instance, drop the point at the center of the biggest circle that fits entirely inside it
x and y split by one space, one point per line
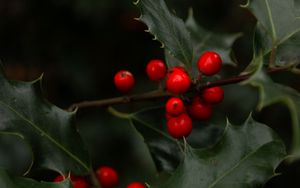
8 181
168 29
204 40
151 125
49 130
246 156
277 28
271 93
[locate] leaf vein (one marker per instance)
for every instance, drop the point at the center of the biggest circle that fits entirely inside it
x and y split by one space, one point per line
45 134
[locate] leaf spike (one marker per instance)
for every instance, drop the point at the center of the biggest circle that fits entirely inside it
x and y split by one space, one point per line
245 5
185 144
148 186
249 118
38 79
136 2
137 19
190 12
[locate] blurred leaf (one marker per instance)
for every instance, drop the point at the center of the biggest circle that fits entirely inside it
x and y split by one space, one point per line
168 29
165 151
278 27
163 148
7 181
49 130
271 93
246 156
15 154
205 40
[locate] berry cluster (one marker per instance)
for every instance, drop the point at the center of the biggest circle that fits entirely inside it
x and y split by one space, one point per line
178 82
107 177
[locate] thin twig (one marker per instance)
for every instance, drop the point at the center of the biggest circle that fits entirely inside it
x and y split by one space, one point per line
94 181
156 94
272 57
119 100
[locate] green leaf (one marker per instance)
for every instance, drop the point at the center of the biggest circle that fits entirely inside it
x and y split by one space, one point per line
168 29
246 156
49 130
7 181
278 28
271 93
205 40
164 149
15 154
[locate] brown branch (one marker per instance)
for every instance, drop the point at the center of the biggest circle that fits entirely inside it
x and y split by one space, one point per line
272 57
119 100
161 93
238 79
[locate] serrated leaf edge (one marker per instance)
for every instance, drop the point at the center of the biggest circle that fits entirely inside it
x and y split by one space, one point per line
32 124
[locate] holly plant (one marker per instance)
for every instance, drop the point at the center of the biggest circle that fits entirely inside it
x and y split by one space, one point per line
192 141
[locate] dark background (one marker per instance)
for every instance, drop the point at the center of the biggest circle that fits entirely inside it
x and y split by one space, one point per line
80 44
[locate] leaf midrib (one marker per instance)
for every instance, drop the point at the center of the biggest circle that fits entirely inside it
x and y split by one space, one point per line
186 57
32 124
274 35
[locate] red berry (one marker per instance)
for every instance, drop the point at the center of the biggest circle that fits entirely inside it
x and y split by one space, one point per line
209 63
136 185
213 95
156 69
77 182
178 82
124 81
59 178
180 126
168 116
199 109
174 106
107 176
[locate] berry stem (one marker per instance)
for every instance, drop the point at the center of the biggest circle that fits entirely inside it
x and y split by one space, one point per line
273 57
180 146
94 180
118 114
157 94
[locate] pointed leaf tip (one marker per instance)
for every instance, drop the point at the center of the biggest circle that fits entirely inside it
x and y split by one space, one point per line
231 159
43 125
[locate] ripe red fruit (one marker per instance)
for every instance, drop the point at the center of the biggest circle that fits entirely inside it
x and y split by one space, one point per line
107 176
209 63
174 106
178 82
199 109
213 95
124 80
168 116
180 126
156 69
136 185
77 182
59 178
